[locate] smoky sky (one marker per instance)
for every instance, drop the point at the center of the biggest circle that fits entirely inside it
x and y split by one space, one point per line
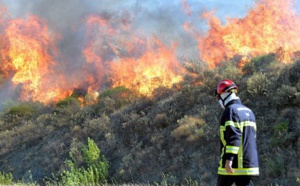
163 19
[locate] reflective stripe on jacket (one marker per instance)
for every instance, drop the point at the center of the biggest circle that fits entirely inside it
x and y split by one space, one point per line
238 140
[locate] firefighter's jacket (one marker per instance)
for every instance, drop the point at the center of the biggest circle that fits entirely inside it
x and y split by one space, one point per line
238 140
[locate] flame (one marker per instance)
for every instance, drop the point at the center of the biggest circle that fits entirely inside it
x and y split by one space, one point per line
28 59
134 62
269 27
155 68
116 53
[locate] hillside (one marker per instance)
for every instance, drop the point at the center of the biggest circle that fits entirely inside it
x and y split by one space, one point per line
169 139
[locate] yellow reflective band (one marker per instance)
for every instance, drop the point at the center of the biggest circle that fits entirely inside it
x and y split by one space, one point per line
241 154
233 124
250 124
220 162
222 129
241 124
232 149
240 171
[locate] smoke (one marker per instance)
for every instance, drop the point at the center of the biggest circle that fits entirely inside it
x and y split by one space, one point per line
162 19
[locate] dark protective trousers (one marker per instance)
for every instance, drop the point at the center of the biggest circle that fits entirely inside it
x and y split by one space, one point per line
238 180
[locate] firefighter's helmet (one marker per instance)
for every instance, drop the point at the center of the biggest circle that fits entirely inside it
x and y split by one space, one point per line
225 85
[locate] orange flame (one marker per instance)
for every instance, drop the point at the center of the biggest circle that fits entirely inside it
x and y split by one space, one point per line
269 26
112 52
28 56
155 68
133 62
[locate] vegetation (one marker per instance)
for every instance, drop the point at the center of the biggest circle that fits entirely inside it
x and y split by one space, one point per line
6 178
170 139
96 170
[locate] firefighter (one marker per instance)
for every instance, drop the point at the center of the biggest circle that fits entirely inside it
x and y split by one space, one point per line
239 157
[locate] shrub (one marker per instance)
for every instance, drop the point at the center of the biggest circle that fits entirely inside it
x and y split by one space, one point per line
91 152
276 165
259 64
280 133
115 98
69 101
258 84
190 128
285 96
68 106
20 110
96 170
230 70
168 179
294 73
117 93
6 178
195 66
14 112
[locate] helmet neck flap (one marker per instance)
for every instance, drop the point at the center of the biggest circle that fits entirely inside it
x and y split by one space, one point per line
225 98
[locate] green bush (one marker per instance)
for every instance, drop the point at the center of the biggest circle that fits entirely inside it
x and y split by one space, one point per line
91 152
285 96
69 101
22 109
230 70
115 92
259 64
276 165
258 84
6 178
113 99
294 73
93 173
280 134
25 110
120 95
68 106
